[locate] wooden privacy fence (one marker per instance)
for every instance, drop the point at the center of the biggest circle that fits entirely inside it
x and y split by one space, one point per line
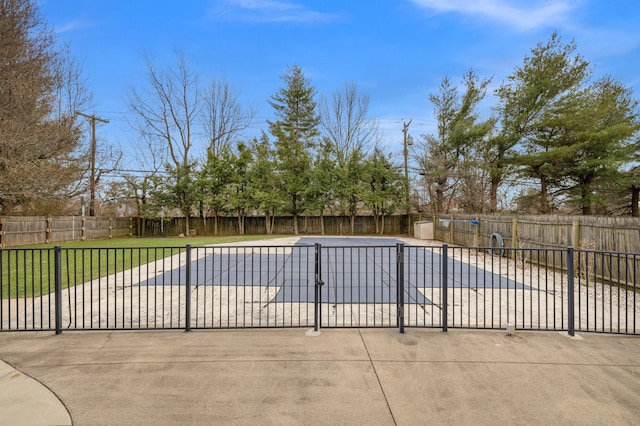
616 234
596 238
255 225
24 230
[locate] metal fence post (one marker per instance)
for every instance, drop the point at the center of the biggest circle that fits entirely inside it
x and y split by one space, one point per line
445 287
317 287
57 279
570 291
400 285
187 314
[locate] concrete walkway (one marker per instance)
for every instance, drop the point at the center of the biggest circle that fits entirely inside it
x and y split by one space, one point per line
342 376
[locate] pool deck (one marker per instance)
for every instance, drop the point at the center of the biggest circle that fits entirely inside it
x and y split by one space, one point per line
340 376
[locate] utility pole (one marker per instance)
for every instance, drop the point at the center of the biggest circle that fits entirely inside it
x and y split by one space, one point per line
92 178
408 140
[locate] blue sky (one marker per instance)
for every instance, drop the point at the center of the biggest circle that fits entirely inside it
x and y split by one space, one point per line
397 51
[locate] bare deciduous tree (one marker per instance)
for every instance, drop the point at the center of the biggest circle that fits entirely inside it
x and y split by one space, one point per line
350 130
347 124
39 89
149 158
168 110
224 117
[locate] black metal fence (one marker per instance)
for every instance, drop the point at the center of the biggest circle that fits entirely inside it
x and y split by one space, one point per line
318 286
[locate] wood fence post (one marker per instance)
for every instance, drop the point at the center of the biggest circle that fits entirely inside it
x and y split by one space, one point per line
575 234
435 227
452 231
47 236
514 235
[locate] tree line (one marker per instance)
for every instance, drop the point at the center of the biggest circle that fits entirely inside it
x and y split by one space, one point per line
572 139
314 158
567 140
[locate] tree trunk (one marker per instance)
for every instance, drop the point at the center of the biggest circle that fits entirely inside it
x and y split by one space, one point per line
352 223
295 224
493 195
585 194
586 204
267 221
240 222
635 197
544 202
439 199
215 222
376 218
321 223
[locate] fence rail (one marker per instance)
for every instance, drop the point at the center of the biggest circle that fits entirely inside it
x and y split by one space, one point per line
394 286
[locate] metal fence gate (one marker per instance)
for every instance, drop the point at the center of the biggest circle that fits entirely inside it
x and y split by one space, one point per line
316 286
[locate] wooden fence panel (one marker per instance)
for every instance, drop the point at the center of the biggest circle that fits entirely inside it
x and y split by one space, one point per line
28 230
65 228
23 230
611 234
122 227
97 228
594 238
283 225
617 234
544 232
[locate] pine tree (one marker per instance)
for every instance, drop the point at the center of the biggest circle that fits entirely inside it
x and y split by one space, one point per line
384 187
533 106
295 132
213 181
599 138
263 178
445 156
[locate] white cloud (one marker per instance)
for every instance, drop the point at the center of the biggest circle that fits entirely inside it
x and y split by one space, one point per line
522 15
71 26
271 11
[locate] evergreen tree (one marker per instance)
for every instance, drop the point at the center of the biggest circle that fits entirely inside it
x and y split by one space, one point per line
321 190
295 132
572 136
533 106
264 181
350 185
240 194
214 180
445 156
177 189
599 139
384 187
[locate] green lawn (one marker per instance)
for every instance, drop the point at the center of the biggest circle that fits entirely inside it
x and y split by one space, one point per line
28 271
157 242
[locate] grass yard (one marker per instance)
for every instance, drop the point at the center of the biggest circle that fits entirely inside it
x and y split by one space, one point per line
29 271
